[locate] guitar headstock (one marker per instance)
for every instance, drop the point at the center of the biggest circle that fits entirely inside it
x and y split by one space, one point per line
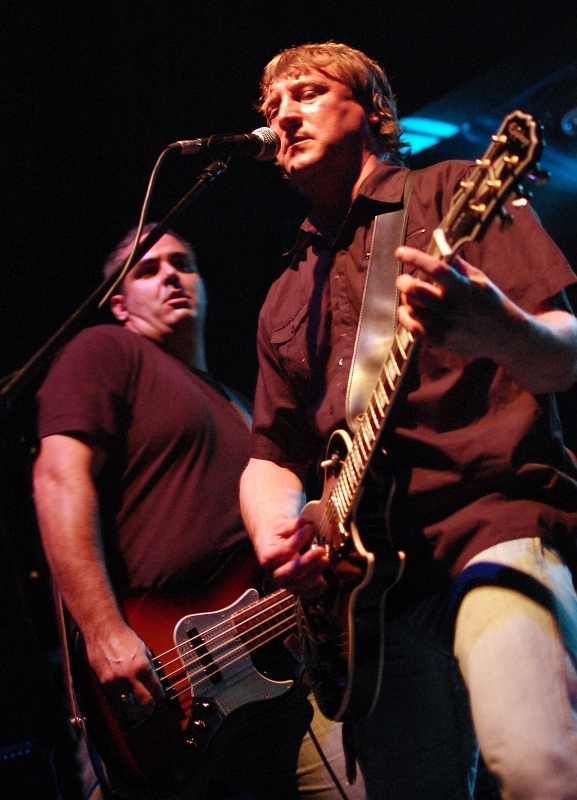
510 160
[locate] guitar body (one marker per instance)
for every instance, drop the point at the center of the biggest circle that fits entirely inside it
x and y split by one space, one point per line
203 658
343 629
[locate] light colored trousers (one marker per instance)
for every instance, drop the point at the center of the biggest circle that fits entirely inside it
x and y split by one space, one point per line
517 659
519 663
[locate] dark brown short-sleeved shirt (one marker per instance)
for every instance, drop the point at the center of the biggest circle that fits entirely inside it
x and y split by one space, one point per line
477 459
169 485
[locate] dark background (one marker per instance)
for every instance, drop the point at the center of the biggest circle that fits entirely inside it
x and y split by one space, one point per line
92 92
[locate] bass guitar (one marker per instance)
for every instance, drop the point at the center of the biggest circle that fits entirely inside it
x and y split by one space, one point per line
343 628
204 659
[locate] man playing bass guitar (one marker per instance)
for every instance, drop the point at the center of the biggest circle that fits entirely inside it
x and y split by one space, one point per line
136 490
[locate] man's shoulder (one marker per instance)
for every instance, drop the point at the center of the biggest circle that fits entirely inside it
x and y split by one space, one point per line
106 347
108 335
443 174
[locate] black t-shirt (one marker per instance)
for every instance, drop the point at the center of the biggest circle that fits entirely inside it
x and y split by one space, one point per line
174 448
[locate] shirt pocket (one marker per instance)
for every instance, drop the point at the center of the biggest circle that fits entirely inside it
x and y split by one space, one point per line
290 342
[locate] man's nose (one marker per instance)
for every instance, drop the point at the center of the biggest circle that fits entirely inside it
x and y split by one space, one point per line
288 112
170 273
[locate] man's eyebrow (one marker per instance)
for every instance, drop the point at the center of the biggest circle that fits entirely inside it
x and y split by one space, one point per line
144 262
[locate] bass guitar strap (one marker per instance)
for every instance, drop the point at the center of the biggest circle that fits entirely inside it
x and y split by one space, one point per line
378 316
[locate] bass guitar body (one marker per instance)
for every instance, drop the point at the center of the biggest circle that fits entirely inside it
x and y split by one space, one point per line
204 660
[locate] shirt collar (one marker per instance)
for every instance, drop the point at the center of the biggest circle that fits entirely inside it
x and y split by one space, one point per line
384 184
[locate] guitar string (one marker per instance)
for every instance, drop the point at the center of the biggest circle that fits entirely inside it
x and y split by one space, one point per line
262 638
218 631
239 653
189 680
258 608
351 474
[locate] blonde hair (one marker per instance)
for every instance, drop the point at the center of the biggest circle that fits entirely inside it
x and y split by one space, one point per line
364 77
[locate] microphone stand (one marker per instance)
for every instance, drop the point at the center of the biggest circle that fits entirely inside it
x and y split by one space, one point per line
12 386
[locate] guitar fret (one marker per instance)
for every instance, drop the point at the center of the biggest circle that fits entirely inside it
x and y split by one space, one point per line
374 416
352 482
340 500
376 399
389 377
382 392
341 503
376 412
362 445
402 345
356 460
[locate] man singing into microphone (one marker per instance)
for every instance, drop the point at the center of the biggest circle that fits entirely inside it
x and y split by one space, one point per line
136 488
480 632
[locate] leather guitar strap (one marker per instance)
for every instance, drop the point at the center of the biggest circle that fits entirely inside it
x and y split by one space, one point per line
378 316
375 335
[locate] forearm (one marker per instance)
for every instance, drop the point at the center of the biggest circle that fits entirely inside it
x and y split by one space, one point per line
268 492
539 351
68 523
271 502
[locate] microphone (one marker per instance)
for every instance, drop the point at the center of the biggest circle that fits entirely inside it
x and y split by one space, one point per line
262 144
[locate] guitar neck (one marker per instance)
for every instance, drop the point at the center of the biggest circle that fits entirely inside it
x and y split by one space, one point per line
373 423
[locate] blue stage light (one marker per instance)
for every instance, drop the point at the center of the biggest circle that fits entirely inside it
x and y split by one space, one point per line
422 132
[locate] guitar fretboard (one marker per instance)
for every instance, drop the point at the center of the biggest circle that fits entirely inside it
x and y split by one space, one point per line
344 493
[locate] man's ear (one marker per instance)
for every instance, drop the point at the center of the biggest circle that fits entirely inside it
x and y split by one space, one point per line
118 307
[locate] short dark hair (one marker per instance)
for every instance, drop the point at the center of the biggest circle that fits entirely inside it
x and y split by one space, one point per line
365 78
117 257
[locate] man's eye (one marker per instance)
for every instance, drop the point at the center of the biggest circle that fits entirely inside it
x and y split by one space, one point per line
183 262
271 113
146 270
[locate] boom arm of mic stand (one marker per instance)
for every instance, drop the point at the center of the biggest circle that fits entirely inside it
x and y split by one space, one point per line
12 385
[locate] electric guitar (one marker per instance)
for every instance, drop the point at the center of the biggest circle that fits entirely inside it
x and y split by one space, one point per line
343 628
203 660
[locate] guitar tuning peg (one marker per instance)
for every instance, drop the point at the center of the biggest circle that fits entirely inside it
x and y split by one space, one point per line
522 195
505 218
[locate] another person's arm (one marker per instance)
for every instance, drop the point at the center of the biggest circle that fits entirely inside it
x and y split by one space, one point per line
68 517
